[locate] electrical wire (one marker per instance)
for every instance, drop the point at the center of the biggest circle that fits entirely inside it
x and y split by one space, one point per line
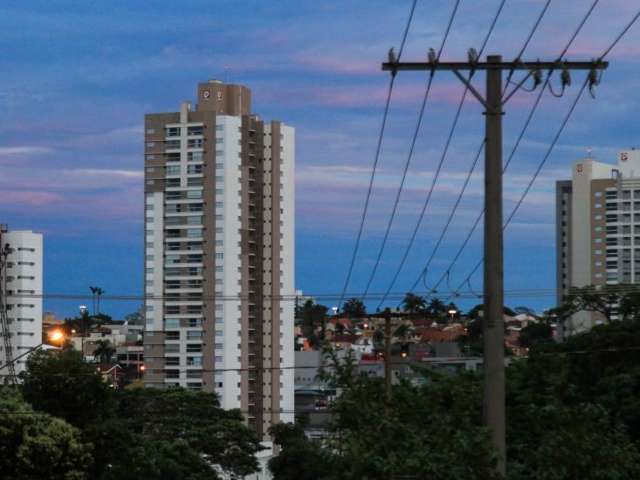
563 125
442 158
376 158
523 131
411 150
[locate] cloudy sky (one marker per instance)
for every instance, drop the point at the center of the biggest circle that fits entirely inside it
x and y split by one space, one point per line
78 77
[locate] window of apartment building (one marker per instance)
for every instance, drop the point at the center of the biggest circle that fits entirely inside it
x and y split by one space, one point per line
170 259
173 335
172 348
612 264
172 131
194 220
612 218
194 156
194 182
195 143
612 229
172 182
194 169
171 323
172 157
626 194
172 373
626 229
172 361
611 194
172 144
194 233
172 309
194 194
194 258
193 131
172 170
195 207
194 322
194 361
194 347
194 309
610 206
194 334
173 195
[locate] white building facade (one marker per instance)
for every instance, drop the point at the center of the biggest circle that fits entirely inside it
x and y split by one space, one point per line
23 281
219 253
598 228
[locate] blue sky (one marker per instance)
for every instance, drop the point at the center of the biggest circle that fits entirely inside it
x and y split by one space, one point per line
78 78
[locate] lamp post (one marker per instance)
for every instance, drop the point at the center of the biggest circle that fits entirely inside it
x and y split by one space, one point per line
56 336
453 313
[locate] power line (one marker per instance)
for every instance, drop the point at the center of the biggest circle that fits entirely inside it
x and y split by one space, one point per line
411 149
555 140
524 129
434 251
376 159
442 159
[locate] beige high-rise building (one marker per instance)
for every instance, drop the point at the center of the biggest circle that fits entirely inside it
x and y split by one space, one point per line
598 229
219 253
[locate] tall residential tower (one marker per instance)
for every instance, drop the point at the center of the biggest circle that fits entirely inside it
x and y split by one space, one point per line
598 228
219 253
22 279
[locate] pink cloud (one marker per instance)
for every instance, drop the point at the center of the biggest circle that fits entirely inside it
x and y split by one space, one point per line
32 198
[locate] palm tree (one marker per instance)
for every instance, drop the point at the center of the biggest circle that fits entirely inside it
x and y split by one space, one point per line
413 303
104 350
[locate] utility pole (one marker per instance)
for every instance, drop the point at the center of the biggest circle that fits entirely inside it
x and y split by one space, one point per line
387 358
494 100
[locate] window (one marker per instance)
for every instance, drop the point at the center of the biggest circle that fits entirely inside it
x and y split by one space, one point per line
172 170
194 169
172 131
172 348
172 373
172 361
194 347
171 323
194 233
194 334
194 156
192 131
194 194
172 144
194 361
195 143
219 128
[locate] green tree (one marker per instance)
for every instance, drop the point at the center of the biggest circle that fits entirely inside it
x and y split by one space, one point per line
193 417
104 351
313 316
535 333
301 458
354 308
414 304
36 445
62 384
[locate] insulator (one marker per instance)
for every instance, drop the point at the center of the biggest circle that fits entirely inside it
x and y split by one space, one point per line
432 56
472 54
594 79
537 77
392 55
566 77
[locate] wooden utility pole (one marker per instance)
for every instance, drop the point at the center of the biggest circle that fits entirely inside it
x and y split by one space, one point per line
494 101
387 358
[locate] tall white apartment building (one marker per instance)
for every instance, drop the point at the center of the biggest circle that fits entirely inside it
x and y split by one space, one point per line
23 283
598 228
219 253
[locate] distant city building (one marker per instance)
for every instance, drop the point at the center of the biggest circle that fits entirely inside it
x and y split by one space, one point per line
598 228
24 292
219 253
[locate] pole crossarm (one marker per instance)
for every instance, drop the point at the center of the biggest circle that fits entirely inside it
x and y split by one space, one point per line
515 65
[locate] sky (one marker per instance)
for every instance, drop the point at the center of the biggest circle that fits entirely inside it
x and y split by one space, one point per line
78 78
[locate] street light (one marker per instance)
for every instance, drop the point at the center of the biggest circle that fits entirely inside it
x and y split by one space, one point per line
452 312
56 336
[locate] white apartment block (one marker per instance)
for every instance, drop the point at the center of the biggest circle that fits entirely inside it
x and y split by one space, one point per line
23 281
598 228
219 253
